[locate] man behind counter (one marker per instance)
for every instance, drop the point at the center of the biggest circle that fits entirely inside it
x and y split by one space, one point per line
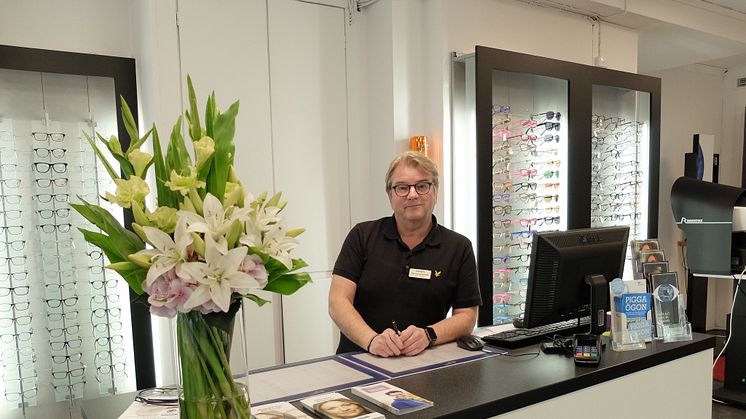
404 270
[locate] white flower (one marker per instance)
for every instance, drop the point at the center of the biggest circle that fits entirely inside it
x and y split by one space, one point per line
273 242
214 223
218 277
167 253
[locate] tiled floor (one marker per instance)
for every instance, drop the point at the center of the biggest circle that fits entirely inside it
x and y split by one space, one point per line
721 411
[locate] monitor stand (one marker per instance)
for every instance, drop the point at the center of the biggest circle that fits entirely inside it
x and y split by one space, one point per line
599 301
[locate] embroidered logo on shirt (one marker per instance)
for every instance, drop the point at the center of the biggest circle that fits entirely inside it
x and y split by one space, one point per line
437 273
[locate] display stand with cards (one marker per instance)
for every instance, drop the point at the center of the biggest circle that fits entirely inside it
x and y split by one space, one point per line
631 317
670 316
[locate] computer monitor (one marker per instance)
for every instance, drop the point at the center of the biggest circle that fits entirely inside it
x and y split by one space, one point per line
560 263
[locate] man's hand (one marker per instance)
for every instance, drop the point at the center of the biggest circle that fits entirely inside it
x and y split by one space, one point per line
415 340
387 344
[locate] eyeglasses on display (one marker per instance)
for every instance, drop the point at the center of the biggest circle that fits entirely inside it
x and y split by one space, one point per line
52 136
49 213
46 152
72 344
41 167
45 183
46 198
10 183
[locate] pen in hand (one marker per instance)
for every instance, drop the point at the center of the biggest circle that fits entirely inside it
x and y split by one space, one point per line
396 328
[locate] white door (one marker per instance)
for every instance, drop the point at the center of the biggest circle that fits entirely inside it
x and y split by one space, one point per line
309 130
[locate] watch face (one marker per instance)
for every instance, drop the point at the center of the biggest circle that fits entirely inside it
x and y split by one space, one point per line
431 336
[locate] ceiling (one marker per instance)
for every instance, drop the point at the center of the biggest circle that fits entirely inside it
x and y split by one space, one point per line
666 36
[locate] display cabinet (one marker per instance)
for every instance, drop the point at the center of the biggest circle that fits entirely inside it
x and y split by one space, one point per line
68 329
558 146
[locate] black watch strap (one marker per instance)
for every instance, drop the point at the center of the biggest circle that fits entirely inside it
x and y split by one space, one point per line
431 336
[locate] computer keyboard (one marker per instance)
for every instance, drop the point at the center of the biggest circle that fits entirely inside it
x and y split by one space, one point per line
523 337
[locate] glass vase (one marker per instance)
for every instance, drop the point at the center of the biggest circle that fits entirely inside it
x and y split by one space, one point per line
208 388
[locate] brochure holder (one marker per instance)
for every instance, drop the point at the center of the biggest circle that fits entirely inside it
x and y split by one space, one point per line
631 319
670 316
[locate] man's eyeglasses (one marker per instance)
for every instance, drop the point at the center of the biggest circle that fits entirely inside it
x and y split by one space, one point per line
421 188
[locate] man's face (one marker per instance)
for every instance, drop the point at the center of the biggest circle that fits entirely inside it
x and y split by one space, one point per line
413 206
397 394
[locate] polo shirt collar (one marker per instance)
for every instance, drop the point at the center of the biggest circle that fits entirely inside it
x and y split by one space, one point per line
433 237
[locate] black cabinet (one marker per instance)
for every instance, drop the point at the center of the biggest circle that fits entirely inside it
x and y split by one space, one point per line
558 146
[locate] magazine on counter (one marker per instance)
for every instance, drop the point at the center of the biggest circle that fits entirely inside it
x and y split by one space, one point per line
281 410
391 398
337 406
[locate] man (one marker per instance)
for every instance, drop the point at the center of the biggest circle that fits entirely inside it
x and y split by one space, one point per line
404 401
405 271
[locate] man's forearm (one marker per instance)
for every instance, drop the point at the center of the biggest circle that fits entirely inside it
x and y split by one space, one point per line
350 323
461 323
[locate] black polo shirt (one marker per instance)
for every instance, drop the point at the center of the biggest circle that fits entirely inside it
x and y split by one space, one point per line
412 287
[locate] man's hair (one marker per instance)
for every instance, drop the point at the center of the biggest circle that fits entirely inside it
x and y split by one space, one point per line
390 392
413 159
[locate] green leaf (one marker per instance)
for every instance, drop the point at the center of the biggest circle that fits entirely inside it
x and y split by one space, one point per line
211 113
223 320
127 242
225 129
129 122
135 145
133 274
101 157
258 300
177 156
195 131
166 197
288 283
124 164
103 242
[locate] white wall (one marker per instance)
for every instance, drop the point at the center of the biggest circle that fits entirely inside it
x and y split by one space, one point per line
87 26
410 73
691 103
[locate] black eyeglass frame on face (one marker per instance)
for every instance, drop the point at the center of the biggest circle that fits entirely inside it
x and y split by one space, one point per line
402 190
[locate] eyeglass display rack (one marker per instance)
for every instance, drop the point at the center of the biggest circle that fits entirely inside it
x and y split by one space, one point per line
603 149
62 307
81 342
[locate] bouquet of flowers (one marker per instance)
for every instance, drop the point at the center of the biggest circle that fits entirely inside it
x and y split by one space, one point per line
211 244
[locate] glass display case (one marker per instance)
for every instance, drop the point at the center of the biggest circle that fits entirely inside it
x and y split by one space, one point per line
558 146
65 321
528 183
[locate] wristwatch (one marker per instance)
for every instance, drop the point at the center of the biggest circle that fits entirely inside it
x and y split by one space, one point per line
431 336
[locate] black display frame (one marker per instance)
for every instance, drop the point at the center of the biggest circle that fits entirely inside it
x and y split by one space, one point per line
123 71
581 78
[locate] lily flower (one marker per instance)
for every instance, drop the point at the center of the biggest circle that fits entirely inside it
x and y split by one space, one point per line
214 222
218 277
168 252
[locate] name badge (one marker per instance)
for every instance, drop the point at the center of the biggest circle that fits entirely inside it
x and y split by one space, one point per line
420 273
